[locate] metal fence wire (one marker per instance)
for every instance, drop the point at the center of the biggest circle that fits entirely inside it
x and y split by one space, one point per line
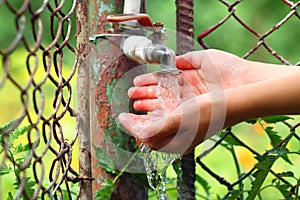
38 72
40 125
241 150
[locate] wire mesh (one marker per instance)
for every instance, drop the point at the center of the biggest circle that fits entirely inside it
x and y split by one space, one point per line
261 37
244 152
38 70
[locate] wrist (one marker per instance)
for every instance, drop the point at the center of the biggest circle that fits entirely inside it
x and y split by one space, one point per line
275 96
212 107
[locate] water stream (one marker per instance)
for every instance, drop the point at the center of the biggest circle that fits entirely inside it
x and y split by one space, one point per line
157 162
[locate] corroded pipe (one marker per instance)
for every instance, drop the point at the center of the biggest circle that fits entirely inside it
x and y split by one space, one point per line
185 43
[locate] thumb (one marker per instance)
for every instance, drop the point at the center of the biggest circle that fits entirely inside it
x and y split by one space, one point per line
190 60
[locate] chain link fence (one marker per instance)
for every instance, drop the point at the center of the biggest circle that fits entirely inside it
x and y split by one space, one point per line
38 123
248 149
40 127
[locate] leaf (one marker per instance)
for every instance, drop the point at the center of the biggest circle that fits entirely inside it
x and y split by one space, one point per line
5 169
234 194
286 174
28 186
7 129
286 159
284 189
11 126
10 196
18 132
21 148
105 160
263 167
105 191
275 119
21 160
177 166
229 139
251 121
273 135
282 152
203 183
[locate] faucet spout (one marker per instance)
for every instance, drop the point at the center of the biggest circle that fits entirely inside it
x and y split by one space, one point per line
143 51
167 59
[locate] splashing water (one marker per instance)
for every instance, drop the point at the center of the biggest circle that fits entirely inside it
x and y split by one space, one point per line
156 162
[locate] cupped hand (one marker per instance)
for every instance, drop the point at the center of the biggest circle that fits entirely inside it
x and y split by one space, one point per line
206 77
202 72
176 132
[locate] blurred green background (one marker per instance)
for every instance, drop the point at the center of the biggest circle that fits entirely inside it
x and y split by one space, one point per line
231 37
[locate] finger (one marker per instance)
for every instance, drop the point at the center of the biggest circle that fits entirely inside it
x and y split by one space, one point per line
161 128
147 92
190 60
140 126
183 63
133 123
160 146
147 105
181 143
154 131
146 79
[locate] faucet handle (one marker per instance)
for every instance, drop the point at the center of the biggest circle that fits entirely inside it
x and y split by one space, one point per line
143 19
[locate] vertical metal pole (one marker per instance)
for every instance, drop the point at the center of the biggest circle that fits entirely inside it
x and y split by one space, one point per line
185 43
82 33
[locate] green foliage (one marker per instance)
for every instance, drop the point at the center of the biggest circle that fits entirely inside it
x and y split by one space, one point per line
204 184
271 119
266 162
274 136
275 119
230 141
263 169
105 161
107 164
275 139
105 191
18 154
233 195
10 133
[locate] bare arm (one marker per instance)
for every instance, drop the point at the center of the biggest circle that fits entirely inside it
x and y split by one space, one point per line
233 70
277 96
